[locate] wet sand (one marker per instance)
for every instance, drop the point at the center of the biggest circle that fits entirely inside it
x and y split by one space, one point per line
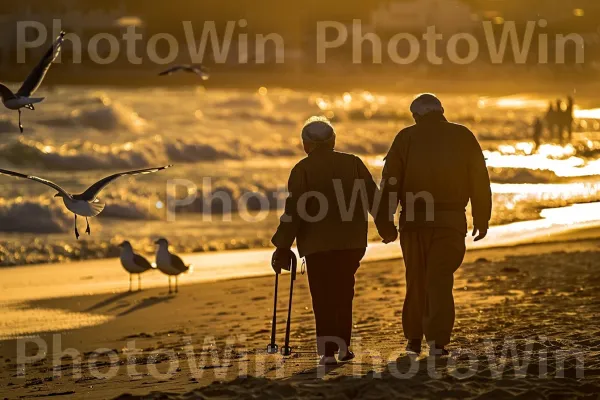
540 300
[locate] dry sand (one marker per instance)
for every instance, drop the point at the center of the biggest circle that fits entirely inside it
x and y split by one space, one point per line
543 296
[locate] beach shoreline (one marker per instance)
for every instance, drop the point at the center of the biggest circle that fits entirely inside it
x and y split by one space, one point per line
499 294
101 276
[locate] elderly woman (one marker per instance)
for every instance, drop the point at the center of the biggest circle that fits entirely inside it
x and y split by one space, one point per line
330 195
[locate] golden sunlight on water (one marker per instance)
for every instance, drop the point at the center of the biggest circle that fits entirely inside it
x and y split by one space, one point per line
561 160
587 114
513 102
548 190
575 214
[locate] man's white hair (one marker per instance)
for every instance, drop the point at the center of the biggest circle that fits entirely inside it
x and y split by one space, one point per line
426 103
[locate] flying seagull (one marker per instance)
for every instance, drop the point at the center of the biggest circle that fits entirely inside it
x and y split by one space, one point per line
169 264
197 69
85 204
22 99
133 263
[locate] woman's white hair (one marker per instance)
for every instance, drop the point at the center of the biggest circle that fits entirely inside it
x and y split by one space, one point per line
317 130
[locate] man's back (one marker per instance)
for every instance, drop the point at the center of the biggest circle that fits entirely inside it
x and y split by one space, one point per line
439 167
433 169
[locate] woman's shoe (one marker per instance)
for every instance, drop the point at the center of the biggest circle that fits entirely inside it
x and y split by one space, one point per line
327 361
413 346
438 351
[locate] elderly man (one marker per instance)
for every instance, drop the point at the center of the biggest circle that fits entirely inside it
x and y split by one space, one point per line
433 169
330 195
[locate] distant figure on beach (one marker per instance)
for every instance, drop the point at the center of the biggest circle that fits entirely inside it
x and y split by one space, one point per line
433 169
551 115
560 121
538 130
560 118
569 117
330 233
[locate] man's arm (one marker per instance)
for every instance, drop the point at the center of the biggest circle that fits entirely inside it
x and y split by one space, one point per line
480 190
290 220
391 187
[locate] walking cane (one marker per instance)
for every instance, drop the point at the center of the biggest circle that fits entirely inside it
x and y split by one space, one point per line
272 348
287 350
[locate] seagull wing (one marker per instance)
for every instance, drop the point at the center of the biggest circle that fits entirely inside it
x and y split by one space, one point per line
91 193
6 93
35 78
142 262
172 70
35 178
178 263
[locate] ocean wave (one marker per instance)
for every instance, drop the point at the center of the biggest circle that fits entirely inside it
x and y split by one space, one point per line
522 175
33 215
100 113
78 156
48 215
8 126
255 101
182 150
144 152
256 116
110 117
233 195
131 205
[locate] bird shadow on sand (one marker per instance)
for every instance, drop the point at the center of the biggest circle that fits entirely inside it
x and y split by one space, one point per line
145 303
106 302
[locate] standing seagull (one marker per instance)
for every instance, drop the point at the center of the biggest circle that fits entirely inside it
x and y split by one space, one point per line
133 263
85 204
197 69
21 99
169 263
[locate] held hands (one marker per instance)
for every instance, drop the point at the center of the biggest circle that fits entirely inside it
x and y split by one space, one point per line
480 232
389 236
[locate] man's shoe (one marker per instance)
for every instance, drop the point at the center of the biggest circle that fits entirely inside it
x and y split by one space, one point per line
438 351
328 361
413 346
345 356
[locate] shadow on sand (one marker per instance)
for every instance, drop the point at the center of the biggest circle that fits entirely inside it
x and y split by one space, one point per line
408 377
106 302
147 302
